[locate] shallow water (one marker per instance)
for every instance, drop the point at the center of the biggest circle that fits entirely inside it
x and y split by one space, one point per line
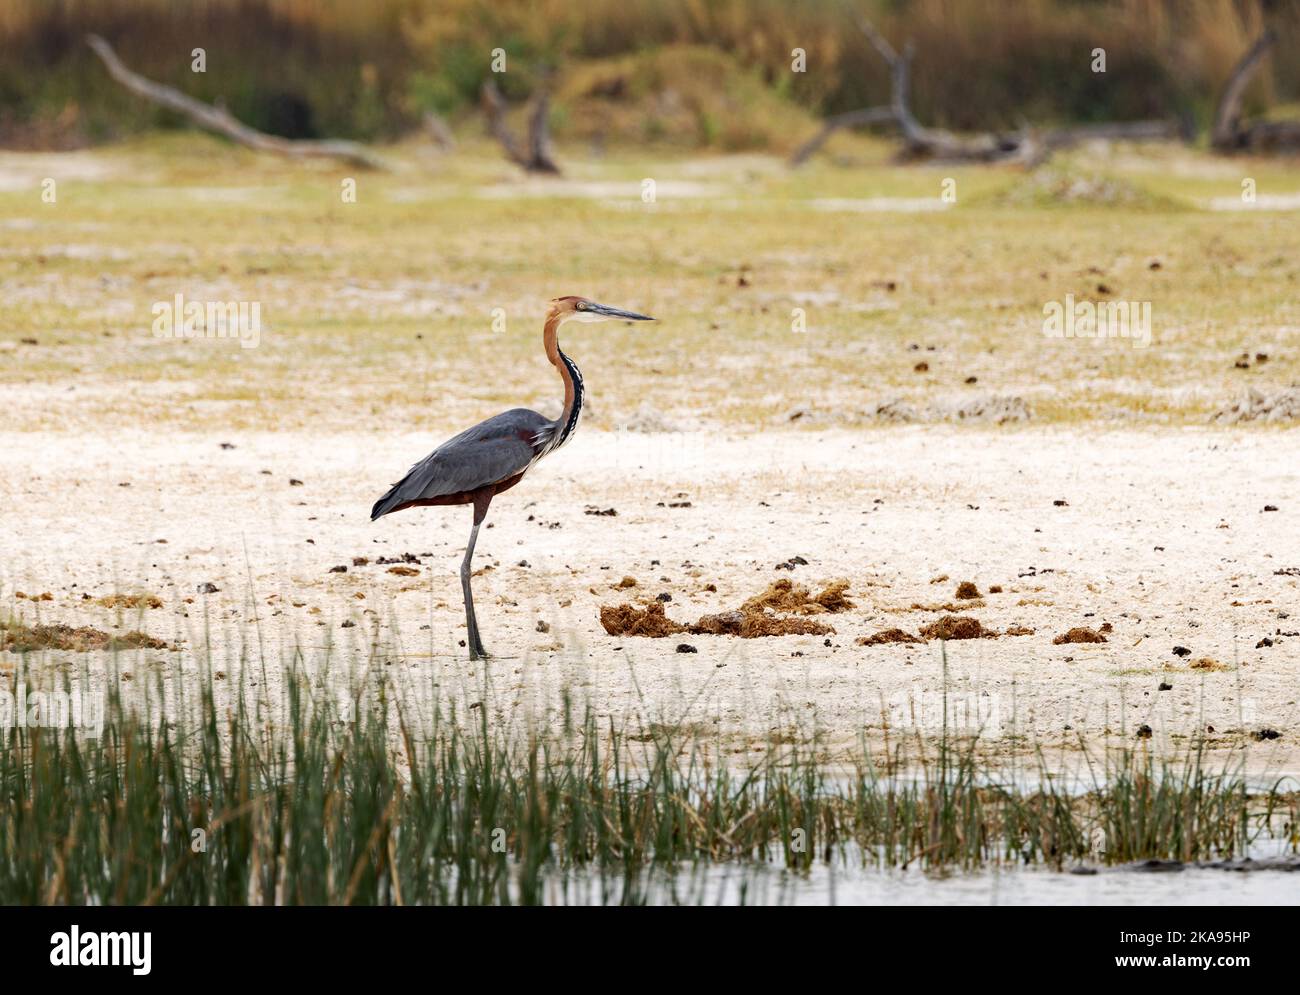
1193 886
1003 886
849 882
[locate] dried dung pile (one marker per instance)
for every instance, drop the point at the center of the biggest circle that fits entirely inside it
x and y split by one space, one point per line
764 615
1079 634
753 624
887 636
628 620
785 595
957 627
131 601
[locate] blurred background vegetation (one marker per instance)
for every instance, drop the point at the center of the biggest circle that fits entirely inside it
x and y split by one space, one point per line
689 73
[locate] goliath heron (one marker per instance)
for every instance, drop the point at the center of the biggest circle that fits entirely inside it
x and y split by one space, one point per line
494 455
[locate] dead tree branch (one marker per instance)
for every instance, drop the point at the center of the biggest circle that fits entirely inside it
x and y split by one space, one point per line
218 120
900 77
919 142
1227 131
1230 133
439 131
1130 131
534 155
849 119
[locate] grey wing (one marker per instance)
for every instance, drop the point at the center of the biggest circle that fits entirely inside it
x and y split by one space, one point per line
488 453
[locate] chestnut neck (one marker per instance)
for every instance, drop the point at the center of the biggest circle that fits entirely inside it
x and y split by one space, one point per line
569 374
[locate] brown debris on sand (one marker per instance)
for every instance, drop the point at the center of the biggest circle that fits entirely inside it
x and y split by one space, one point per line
957 627
1079 634
785 595
754 624
967 591
628 620
130 601
757 617
1208 664
1018 630
887 636
832 597
16 637
944 606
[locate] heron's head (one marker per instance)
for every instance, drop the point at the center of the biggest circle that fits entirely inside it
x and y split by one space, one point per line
581 309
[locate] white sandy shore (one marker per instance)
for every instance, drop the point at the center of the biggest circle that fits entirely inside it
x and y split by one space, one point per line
1163 536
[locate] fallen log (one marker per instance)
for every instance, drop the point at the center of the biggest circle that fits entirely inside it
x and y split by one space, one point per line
220 121
849 119
1026 146
1113 131
1271 136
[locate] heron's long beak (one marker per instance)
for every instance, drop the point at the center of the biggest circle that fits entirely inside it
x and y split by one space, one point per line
616 312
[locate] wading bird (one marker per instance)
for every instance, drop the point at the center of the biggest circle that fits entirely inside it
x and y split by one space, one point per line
494 455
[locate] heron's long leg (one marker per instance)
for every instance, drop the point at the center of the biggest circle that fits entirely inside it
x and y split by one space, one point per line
476 650
471 623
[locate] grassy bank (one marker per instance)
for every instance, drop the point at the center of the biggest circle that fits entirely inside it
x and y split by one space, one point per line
832 290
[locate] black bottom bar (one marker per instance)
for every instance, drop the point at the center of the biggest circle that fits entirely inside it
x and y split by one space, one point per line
1225 945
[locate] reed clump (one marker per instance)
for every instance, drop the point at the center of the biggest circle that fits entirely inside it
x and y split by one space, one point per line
195 793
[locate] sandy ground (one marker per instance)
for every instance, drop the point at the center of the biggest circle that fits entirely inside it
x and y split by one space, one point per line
1162 534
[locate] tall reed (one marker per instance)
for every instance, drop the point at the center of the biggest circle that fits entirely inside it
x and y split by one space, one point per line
196 794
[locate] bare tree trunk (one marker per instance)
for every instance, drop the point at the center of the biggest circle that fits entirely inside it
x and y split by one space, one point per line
535 155
1230 133
219 120
494 111
1227 132
540 157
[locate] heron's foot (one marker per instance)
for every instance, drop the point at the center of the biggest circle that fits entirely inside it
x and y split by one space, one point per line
476 650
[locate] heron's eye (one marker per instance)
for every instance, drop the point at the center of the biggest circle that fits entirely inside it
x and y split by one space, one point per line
581 306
